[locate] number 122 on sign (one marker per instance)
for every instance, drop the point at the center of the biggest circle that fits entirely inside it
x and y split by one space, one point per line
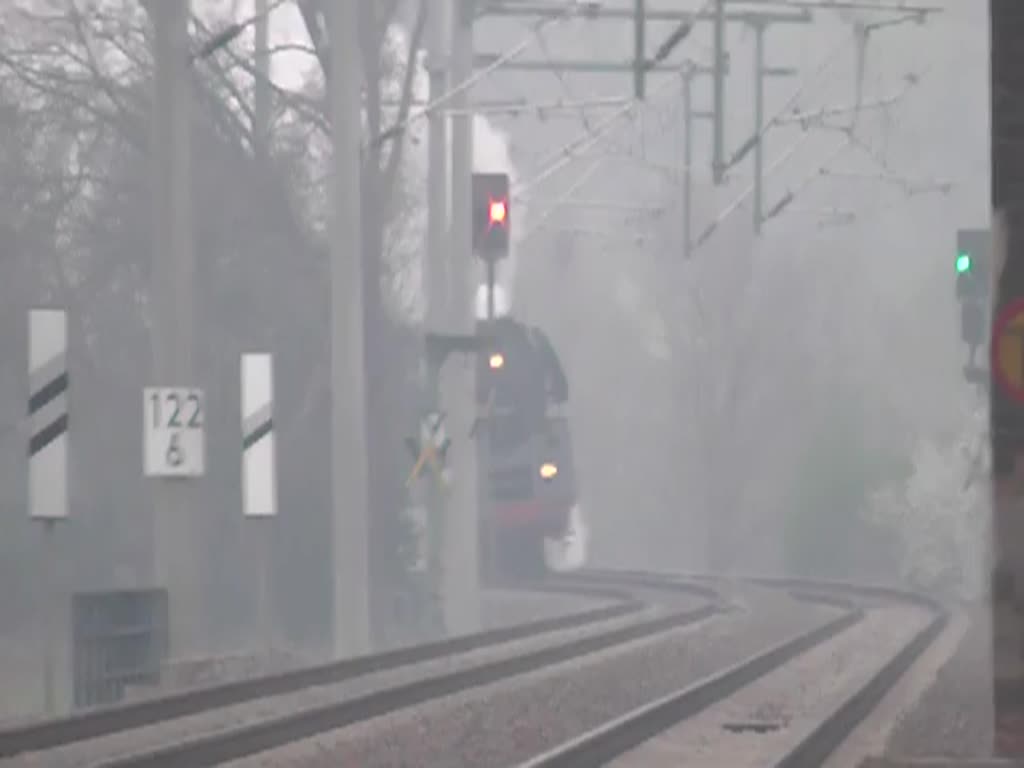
173 434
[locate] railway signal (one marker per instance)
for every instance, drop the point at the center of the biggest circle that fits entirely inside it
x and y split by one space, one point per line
973 267
972 264
492 215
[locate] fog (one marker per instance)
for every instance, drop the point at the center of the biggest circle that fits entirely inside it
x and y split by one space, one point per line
788 402
745 409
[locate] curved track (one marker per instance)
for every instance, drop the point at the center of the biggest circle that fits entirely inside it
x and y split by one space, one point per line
231 722
110 720
623 736
234 715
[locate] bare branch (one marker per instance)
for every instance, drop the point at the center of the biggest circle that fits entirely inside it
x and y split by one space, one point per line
104 83
415 39
243 127
127 126
312 16
304 106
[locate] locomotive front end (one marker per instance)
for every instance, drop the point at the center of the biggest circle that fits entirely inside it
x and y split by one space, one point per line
526 458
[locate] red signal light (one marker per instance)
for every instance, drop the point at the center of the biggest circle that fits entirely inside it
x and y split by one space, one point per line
497 212
492 215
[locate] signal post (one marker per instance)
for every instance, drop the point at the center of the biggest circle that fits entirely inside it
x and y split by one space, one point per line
492 221
1007 383
461 562
973 290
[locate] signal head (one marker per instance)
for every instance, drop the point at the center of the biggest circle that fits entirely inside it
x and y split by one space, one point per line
492 215
973 259
497 212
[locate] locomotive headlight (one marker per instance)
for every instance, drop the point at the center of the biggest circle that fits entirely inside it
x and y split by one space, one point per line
548 470
497 361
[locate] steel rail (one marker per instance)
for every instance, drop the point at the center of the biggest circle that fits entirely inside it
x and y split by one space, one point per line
56 732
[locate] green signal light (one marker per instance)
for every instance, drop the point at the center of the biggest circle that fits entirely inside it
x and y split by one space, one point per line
963 263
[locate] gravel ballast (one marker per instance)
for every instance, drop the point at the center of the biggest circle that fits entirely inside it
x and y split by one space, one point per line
767 719
953 719
90 752
507 722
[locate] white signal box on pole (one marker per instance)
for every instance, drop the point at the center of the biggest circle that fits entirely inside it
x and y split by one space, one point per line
259 480
174 439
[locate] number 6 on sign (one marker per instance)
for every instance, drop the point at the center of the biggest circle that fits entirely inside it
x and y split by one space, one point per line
173 437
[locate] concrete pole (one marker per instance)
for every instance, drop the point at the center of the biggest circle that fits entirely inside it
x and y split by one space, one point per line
639 48
349 463
435 275
174 545
261 88
263 529
758 204
687 161
435 269
718 157
462 571
1006 31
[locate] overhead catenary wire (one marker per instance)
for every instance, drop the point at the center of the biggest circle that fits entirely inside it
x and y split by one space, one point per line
729 209
570 10
560 159
818 115
538 225
556 160
582 143
786 114
822 170
562 82
588 139
592 135
781 117
824 66
542 110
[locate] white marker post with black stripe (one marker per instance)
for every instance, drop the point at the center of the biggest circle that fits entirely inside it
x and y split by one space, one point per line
259 482
48 414
259 478
48 461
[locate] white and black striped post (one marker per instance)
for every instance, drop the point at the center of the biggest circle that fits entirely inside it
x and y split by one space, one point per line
48 461
259 481
259 478
48 414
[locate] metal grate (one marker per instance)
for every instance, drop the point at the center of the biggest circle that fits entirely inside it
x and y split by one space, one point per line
119 638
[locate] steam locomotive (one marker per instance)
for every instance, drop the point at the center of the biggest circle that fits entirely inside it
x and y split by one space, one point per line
527 473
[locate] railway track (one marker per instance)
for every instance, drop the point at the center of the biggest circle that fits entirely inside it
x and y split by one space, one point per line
46 734
232 722
620 742
110 737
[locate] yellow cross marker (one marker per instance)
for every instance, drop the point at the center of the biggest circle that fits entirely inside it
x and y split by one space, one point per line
429 451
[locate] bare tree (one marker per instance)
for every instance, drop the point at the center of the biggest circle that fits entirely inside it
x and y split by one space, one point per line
74 206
